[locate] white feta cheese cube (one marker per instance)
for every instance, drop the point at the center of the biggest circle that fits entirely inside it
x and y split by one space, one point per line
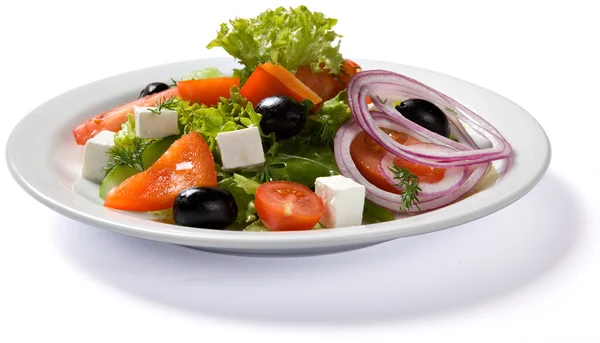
241 148
95 156
344 200
154 125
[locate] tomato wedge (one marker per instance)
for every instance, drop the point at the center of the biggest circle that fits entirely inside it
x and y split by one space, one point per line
112 119
366 154
156 188
207 91
288 206
272 79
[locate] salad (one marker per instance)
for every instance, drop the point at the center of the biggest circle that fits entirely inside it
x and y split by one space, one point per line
300 138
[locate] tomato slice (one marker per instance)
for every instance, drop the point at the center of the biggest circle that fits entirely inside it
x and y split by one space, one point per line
156 188
207 91
424 173
272 79
323 83
112 119
366 154
288 206
349 69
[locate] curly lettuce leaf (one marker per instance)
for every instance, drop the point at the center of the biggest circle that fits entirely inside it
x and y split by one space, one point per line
292 37
322 126
243 191
126 135
230 114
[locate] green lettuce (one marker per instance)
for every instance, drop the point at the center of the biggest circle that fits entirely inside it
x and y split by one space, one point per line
376 214
292 37
298 162
128 148
322 126
230 114
126 136
243 191
206 73
257 226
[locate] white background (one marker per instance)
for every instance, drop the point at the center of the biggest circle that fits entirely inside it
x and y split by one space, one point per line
530 271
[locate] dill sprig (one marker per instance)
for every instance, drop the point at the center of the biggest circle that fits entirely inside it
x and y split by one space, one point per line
383 101
130 155
322 134
410 187
161 104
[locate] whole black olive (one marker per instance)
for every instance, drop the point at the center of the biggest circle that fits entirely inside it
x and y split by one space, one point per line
282 115
153 88
205 207
425 114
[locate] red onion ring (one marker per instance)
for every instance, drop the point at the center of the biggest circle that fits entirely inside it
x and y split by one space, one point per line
453 178
368 83
342 142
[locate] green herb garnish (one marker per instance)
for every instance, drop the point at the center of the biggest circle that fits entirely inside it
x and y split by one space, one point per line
322 126
380 100
129 155
169 104
410 187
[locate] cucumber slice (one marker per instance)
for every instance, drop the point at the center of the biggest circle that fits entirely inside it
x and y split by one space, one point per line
114 178
155 150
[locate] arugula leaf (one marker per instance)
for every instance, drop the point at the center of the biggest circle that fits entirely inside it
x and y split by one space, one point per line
292 37
301 163
243 191
322 126
375 214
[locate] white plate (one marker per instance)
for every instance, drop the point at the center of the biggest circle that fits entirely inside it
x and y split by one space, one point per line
48 166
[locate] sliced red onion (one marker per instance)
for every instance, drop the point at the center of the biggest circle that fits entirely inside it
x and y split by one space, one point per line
368 83
453 178
343 140
460 133
473 180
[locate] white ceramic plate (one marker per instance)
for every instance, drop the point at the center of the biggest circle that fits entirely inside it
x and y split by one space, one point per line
48 167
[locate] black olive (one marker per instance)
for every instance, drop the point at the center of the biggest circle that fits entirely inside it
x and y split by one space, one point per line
282 115
205 207
425 114
153 88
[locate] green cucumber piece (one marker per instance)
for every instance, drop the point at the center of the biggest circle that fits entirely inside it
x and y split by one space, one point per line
114 178
155 150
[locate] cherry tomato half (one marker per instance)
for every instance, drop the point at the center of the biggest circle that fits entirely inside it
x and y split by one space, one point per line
288 206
